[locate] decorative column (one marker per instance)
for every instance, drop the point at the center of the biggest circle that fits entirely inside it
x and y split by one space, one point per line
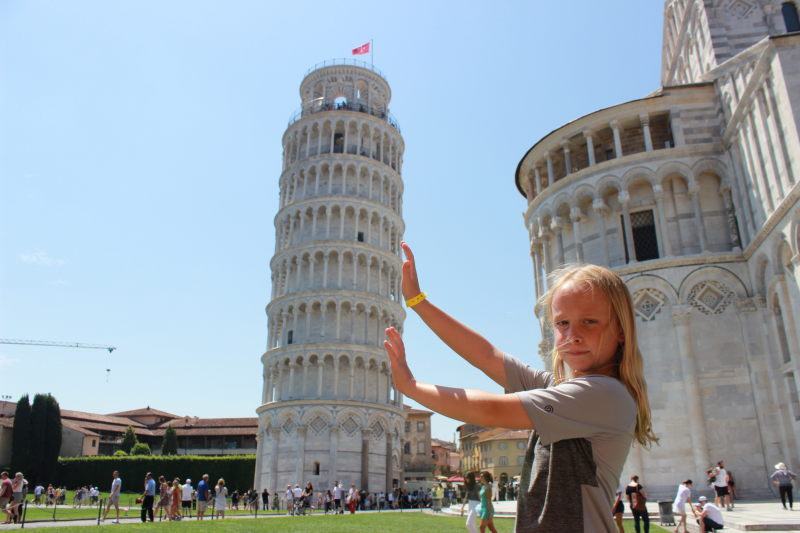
550 178
730 216
567 158
365 436
664 246
587 134
538 182
617 142
556 225
626 218
546 237
333 453
389 448
600 208
698 217
644 119
275 434
681 317
575 215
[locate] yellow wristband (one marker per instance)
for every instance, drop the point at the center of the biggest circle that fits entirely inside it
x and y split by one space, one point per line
411 302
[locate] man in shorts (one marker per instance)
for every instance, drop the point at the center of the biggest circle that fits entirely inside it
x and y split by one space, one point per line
6 493
721 487
289 500
113 496
186 498
202 497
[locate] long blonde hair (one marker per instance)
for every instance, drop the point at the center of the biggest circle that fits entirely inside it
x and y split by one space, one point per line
629 359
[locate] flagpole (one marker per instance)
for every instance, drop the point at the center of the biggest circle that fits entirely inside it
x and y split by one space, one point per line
371 52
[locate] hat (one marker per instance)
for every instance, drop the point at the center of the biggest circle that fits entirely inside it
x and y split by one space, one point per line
702 499
780 466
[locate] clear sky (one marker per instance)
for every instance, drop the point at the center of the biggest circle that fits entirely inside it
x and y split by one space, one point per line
140 151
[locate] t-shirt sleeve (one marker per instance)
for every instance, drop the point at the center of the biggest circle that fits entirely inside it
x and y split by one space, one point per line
591 406
520 377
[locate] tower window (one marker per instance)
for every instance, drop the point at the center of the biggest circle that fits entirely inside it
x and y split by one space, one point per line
316 468
790 18
407 448
360 236
609 154
338 143
645 242
290 337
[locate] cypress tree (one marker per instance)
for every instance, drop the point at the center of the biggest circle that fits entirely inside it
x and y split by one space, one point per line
21 436
51 437
38 432
169 446
129 440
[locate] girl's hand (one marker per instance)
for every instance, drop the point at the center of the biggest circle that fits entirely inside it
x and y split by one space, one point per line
410 283
401 374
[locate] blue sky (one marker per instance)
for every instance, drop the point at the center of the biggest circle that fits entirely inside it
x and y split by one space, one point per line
140 151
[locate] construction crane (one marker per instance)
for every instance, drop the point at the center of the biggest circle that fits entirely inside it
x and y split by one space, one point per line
60 344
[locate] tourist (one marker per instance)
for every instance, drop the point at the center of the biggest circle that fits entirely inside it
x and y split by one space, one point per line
782 477
265 499
683 497
175 500
308 496
113 495
163 497
710 515
487 507
289 495
203 493
617 509
37 494
6 496
723 495
472 498
148 497
352 498
297 495
235 500
337 498
586 412
220 501
637 498
18 491
186 498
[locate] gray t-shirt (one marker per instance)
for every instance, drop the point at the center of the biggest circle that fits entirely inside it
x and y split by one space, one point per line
583 432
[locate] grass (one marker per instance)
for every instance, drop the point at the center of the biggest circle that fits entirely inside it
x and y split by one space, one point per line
359 523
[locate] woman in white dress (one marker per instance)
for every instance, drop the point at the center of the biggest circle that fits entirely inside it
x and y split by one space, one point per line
220 498
679 505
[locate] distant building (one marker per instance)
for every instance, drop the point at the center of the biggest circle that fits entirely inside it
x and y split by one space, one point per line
446 458
417 462
498 451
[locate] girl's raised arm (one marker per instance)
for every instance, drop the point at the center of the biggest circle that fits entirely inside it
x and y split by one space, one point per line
468 405
463 340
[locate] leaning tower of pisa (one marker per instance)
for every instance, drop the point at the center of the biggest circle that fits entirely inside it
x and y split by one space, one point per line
329 409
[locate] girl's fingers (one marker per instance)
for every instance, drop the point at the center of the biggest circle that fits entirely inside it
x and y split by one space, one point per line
407 251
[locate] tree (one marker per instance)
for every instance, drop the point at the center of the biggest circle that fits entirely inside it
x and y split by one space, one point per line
141 448
169 446
45 442
129 440
21 437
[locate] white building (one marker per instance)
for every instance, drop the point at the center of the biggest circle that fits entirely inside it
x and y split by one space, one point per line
330 411
691 194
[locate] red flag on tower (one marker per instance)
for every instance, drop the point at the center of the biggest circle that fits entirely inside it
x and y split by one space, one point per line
363 49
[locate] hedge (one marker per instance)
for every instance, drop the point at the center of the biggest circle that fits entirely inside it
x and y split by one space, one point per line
237 470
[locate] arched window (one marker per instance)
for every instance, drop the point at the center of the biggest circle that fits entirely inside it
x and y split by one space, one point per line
783 342
790 18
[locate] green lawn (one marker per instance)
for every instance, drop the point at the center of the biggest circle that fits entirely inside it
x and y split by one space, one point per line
360 522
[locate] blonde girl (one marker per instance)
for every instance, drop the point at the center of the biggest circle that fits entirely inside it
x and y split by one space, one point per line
585 414
220 498
175 499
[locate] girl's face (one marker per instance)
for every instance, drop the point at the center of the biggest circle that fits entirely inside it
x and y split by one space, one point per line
586 332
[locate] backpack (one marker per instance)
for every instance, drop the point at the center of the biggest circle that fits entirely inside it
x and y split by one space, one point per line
638 501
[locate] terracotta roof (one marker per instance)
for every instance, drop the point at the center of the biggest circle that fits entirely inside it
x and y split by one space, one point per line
511 434
8 409
75 427
187 422
147 411
411 411
104 419
109 428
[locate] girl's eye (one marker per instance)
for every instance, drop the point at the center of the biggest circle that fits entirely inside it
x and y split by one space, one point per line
561 323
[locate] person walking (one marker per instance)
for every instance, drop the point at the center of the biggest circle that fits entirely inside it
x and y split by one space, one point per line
18 492
487 508
6 496
721 487
782 477
148 497
637 498
220 498
163 498
352 498
265 499
472 499
683 497
175 499
113 495
618 508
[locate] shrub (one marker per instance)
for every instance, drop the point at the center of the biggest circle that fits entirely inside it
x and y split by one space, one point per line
141 448
120 453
